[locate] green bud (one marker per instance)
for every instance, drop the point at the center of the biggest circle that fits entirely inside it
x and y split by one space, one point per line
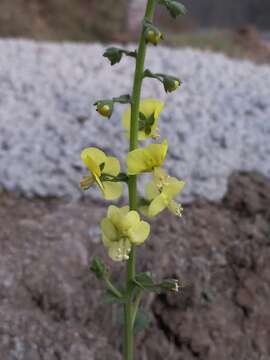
99 268
170 83
175 8
153 35
170 285
104 108
114 55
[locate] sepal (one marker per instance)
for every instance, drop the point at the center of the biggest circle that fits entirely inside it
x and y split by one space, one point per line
104 107
175 8
114 54
152 34
99 268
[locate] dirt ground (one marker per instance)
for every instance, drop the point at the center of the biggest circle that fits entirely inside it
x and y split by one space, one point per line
51 307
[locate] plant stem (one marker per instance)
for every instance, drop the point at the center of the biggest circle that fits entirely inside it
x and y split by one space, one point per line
136 305
113 289
132 183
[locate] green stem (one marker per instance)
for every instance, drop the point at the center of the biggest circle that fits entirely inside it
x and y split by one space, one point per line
132 183
136 305
113 289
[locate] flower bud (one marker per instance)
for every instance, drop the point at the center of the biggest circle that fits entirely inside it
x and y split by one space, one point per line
175 8
99 268
105 108
170 285
114 55
153 35
171 84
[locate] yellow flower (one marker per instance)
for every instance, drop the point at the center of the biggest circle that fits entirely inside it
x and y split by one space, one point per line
148 121
101 167
161 192
146 159
121 229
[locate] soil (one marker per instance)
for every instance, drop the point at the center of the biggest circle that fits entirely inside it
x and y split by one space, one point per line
51 307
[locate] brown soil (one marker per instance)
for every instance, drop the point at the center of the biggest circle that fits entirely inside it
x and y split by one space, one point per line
51 308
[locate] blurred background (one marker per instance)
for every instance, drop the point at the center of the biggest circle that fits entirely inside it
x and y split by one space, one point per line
234 27
218 126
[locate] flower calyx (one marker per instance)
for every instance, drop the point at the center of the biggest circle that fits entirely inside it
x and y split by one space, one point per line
170 83
114 54
175 8
105 107
152 34
149 110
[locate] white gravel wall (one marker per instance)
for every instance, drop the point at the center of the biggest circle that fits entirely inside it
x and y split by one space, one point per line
217 123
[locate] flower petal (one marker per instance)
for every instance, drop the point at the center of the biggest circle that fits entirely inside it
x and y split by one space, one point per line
158 153
112 166
173 187
139 233
138 161
112 190
151 190
109 230
151 106
157 205
126 118
106 242
131 219
97 155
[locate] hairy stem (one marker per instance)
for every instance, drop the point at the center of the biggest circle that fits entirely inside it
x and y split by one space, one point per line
132 183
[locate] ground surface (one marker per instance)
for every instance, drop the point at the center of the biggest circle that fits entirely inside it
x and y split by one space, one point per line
50 305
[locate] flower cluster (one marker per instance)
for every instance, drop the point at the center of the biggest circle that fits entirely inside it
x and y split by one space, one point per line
123 228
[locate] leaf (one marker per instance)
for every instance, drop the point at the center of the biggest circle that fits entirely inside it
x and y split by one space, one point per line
142 321
111 298
99 268
145 281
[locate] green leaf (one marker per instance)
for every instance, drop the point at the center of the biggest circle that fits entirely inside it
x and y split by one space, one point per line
111 298
145 281
142 321
99 268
